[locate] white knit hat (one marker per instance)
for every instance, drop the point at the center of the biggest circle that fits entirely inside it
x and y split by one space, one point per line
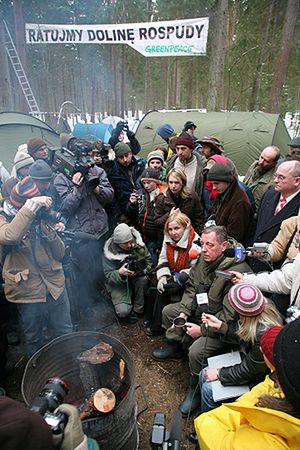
122 233
22 159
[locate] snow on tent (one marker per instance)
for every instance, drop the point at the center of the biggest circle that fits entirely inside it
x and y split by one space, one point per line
93 131
244 134
16 129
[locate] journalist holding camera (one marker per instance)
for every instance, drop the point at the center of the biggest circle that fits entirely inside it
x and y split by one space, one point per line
118 135
31 254
126 261
85 193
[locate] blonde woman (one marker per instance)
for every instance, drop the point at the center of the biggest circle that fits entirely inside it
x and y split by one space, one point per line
178 197
179 252
256 316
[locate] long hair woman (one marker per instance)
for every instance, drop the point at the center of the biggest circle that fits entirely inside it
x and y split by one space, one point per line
256 316
179 252
178 197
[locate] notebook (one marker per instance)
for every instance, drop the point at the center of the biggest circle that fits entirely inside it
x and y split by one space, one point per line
219 391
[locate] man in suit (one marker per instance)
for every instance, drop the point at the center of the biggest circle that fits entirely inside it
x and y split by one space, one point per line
278 204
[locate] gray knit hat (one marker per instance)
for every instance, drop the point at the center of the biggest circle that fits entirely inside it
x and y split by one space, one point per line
122 233
22 159
220 172
156 154
40 170
121 149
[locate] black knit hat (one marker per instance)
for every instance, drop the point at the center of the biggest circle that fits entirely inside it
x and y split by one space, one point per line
287 361
220 172
150 175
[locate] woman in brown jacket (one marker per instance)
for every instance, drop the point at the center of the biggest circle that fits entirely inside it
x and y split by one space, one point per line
178 197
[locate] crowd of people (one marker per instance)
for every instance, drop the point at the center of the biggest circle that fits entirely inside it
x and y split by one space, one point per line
219 251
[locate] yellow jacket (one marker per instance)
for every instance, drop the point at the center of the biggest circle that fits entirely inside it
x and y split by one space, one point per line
243 426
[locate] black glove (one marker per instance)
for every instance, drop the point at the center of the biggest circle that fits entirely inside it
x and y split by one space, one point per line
130 134
119 128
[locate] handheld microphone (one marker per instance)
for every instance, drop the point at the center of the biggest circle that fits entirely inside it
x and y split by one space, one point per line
239 253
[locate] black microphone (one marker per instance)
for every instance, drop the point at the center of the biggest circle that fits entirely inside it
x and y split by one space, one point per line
175 433
238 253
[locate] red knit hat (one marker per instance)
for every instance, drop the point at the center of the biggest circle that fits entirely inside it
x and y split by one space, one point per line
267 342
185 139
246 300
23 190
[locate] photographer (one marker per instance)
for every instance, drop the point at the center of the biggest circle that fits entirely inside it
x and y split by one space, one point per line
84 199
31 252
118 135
24 429
125 262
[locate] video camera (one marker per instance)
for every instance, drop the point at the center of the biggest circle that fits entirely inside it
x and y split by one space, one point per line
136 265
51 396
75 158
162 439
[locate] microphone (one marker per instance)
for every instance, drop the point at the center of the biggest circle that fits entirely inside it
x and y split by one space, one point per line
175 433
239 253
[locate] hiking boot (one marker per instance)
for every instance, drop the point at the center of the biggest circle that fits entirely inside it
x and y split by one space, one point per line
169 352
151 333
192 399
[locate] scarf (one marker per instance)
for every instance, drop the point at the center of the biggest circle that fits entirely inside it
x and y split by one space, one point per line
182 261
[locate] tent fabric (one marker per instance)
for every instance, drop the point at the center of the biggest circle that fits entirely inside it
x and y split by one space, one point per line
99 130
16 129
243 134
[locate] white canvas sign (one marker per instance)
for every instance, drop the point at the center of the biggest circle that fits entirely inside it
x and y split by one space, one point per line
186 37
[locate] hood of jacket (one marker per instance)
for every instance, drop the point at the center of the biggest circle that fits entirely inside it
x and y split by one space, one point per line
113 252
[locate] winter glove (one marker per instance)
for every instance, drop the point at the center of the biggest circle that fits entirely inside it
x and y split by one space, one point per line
119 128
161 284
73 434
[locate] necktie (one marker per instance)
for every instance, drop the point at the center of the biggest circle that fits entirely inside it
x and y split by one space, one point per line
281 205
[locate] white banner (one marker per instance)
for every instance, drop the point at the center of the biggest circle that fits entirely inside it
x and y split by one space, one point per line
186 37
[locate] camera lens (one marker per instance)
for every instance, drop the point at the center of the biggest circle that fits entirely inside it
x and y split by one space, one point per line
55 390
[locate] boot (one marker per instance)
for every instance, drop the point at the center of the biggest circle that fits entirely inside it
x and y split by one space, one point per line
171 351
192 399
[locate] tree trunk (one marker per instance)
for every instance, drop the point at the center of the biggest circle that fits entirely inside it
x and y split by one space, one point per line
254 103
20 47
281 65
5 82
216 70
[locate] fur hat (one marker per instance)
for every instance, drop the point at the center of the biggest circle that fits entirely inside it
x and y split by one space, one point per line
212 142
121 149
22 159
220 172
156 154
40 170
150 175
122 233
23 190
267 342
246 300
165 131
185 139
34 144
287 361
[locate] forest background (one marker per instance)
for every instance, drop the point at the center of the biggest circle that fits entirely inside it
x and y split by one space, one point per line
252 60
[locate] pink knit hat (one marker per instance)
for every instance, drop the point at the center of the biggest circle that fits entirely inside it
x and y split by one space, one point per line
246 300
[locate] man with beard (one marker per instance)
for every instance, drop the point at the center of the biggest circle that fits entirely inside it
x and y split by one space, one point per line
260 175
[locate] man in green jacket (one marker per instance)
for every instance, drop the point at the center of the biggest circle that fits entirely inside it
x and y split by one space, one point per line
126 261
260 175
205 292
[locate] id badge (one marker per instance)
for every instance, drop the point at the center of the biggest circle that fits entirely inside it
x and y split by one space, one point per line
202 299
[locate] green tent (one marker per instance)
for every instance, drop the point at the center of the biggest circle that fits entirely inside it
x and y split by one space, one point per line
17 128
244 134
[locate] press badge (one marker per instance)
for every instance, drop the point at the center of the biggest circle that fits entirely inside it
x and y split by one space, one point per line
202 299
